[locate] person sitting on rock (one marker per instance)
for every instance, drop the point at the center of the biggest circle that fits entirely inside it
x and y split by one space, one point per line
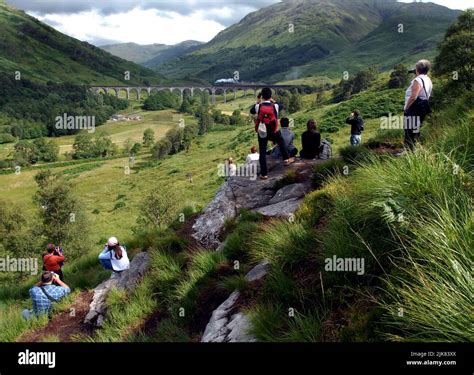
232 168
53 260
288 138
311 141
253 157
48 291
114 256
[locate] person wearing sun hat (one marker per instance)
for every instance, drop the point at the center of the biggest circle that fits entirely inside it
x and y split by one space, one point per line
114 256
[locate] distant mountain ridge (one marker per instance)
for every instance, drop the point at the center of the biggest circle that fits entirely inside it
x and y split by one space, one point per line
298 38
41 53
151 55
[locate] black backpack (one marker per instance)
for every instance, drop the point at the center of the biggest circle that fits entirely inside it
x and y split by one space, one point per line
421 107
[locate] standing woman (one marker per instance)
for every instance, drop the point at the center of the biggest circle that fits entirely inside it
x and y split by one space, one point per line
114 256
416 102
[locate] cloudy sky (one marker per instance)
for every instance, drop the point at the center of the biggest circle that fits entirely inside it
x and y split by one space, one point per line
150 21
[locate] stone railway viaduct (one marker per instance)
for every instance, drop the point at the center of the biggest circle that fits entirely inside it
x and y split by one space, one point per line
212 90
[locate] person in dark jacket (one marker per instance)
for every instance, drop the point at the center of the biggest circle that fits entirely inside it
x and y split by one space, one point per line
311 141
357 127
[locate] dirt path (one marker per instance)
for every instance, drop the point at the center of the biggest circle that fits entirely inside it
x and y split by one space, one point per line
65 325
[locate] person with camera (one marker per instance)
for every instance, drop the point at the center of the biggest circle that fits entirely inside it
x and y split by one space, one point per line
46 292
114 256
357 127
53 260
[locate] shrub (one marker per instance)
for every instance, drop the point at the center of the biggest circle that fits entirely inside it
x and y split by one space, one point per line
162 148
7 138
62 218
158 209
162 100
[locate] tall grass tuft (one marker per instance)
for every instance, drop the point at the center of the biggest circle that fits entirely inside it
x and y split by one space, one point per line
432 295
283 242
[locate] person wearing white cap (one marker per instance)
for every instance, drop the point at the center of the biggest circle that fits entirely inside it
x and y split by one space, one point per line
114 256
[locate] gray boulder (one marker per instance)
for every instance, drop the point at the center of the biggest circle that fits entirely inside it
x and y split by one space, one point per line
282 209
289 192
209 224
227 324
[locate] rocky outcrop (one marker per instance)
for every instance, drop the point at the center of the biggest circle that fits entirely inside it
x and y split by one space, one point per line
210 223
227 323
127 280
244 193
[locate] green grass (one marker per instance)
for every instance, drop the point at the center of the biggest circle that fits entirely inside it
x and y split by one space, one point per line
98 186
202 264
410 218
125 312
282 242
120 131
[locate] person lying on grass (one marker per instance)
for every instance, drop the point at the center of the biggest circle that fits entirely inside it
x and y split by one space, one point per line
46 292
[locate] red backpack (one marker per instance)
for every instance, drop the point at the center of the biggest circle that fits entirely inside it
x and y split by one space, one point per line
268 114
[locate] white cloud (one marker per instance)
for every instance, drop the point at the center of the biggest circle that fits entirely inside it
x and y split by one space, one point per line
138 26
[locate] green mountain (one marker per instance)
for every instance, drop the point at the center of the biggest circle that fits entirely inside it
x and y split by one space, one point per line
43 54
293 39
172 52
134 52
150 55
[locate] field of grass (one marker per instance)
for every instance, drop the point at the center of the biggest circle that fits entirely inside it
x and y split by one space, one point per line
104 184
355 215
120 131
100 185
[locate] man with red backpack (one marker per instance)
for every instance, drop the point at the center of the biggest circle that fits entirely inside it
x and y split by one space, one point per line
266 126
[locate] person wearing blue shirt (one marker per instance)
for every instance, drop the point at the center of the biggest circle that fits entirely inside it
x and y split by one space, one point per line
49 290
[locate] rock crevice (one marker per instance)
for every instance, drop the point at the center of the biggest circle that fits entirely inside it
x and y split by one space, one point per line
227 325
